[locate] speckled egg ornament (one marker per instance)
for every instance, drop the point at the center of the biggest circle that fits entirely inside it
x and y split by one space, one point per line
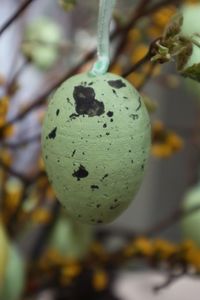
14 279
191 20
190 224
95 143
71 239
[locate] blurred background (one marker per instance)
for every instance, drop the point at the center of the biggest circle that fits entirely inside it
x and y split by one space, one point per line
55 261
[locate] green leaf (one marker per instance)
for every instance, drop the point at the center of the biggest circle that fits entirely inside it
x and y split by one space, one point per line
174 27
192 72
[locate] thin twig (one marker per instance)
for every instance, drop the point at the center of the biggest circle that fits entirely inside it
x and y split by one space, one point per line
13 81
173 218
146 77
14 145
136 15
172 278
13 172
15 15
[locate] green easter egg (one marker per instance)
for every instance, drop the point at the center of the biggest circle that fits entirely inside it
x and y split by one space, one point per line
70 238
3 253
45 57
41 42
191 20
190 224
191 25
95 143
14 279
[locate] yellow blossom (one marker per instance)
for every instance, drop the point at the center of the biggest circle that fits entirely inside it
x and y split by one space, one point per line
136 78
13 193
160 150
8 131
50 193
154 31
163 16
174 141
134 35
164 248
139 246
144 246
71 270
99 280
116 69
41 216
165 142
6 157
41 164
139 52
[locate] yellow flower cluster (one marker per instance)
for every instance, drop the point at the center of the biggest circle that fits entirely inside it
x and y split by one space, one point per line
162 251
157 250
69 269
4 106
165 142
41 216
99 280
12 194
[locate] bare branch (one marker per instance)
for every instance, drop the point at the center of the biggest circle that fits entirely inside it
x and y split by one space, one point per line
15 15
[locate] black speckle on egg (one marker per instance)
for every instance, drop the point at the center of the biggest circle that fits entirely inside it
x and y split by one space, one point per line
118 84
114 206
80 173
85 102
90 83
139 103
46 156
73 153
73 116
68 100
57 112
111 120
106 175
107 133
125 97
134 116
98 205
104 125
94 187
142 167
52 134
129 151
110 114
99 221
114 92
